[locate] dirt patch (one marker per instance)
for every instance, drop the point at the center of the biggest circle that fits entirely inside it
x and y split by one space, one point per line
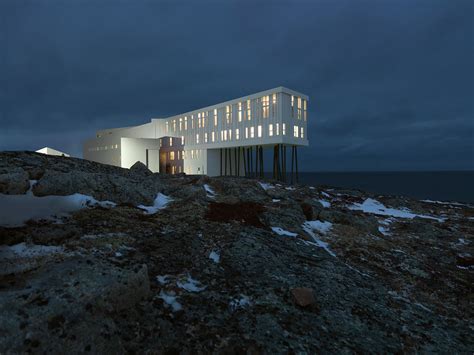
244 212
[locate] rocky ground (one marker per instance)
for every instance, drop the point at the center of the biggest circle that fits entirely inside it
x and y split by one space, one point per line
227 265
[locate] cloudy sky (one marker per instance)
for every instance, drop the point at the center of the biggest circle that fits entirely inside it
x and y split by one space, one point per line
391 82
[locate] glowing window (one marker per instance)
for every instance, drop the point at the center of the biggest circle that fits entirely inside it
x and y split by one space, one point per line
171 141
228 114
246 132
240 111
249 111
197 138
283 128
270 130
174 125
182 140
302 132
166 124
213 136
185 123
171 155
205 137
274 99
237 134
295 131
252 132
265 106
259 131
277 129
180 124
215 117
230 134
292 106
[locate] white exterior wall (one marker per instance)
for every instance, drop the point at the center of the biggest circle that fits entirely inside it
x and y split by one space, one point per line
206 155
134 149
51 151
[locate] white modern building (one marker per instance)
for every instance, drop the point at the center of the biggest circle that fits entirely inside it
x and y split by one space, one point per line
222 139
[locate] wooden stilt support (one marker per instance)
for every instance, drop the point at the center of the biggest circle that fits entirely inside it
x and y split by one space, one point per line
292 162
238 161
296 161
261 162
221 161
225 162
244 153
230 161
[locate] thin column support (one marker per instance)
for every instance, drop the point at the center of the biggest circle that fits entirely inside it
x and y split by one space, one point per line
220 165
292 161
296 161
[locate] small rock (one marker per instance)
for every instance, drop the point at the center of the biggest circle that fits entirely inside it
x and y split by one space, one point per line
303 296
140 168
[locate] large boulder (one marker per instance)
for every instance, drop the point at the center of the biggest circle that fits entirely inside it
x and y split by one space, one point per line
140 169
40 317
103 187
14 181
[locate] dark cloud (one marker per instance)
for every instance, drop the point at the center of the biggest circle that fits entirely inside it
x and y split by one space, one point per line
391 83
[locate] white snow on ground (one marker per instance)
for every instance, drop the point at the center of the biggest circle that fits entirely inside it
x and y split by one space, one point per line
384 227
322 227
190 285
375 207
326 204
384 230
290 188
325 194
276 200
281 231
241 302
160 202
24 250
312 187
209 191
15 210
170 300
214 256
162 279
266 186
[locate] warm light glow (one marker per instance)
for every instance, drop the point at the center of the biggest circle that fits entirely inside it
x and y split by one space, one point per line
270 130
237 136
252 132
259 131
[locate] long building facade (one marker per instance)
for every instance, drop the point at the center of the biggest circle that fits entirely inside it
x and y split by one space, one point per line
223 139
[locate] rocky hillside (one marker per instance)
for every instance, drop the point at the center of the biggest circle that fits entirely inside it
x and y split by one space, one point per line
100 259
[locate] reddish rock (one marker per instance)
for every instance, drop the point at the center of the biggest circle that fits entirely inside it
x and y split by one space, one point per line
303 296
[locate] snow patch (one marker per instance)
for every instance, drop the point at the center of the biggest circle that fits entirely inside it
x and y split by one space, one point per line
242 302
160 202
23 250
325 194
283 232
214 256
321 227
266 186
170 300
384 230
209 191
163 279
326 204
276 200
15 210
375 207
190 285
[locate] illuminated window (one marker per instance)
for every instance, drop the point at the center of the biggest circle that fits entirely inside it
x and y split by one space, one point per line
277 129
192 153
270 130
265 106
203 116
213 136
246 132
180 124
174 125
292 106
222 135
228 114
192 121
283 128
199 120
295 131
249 111
302 132
252 132
178 155
182 140
171 141
185 123
237 135
230 134
305 103
166 124
225 134
259 131
205 137
274 99
215 117
299 108
197 138
171 155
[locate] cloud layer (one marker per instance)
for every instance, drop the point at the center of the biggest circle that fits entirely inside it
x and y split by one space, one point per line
391 83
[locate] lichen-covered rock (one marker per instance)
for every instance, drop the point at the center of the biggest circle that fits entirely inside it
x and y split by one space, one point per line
14 181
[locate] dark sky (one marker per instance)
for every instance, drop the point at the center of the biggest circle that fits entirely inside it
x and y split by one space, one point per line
391 82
